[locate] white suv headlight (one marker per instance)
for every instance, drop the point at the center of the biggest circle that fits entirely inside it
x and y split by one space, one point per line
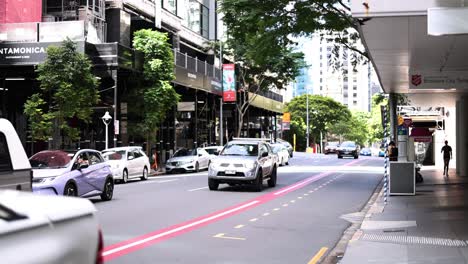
250 165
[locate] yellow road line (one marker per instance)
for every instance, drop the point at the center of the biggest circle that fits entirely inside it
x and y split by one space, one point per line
318 256
239 226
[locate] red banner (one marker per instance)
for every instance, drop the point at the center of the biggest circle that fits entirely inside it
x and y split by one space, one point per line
14 11
229 83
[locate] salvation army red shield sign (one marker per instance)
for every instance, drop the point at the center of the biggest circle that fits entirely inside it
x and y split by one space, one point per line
416 79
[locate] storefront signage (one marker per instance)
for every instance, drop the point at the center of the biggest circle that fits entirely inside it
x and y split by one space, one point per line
27 53
229 83
286 121
438 80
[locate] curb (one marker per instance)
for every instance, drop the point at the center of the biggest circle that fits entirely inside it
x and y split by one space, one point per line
353 232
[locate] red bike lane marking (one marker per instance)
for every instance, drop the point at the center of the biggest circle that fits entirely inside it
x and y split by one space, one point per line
131 245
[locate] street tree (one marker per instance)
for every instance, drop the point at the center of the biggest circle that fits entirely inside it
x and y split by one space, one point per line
256 76
68 91
323 113
354 129
158 94
277 23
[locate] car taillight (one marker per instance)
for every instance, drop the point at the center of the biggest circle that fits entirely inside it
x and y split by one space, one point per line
99 258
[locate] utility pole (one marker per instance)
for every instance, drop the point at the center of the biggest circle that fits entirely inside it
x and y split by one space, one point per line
307 106
222 91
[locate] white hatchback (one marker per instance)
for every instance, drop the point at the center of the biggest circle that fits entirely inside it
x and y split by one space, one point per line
127 163
282 152
48 229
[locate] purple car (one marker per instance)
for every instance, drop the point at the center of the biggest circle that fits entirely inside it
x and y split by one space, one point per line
82 173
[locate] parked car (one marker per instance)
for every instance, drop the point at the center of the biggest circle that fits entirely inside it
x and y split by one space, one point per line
288 146
331 147
282 153
366 152
185 160
243 162
213 151
348 148
15 170
127 163
82 173
46 229
382 152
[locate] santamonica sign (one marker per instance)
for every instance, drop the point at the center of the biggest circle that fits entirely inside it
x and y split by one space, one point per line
27 53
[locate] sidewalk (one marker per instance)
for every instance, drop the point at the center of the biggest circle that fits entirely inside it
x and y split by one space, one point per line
430 227
158 172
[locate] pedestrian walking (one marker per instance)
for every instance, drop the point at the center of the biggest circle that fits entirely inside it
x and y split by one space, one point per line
392 151
447 150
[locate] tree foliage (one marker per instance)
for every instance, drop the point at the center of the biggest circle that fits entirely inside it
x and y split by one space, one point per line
270 25
158 71
323 113
68 90
354 129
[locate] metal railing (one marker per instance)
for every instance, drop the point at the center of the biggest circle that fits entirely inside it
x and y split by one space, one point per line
194 64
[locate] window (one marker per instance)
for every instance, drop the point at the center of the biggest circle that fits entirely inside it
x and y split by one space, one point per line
320 80
205 19
170 5
263 149
354 87
94 158
354 102
194 15
354 95
5 160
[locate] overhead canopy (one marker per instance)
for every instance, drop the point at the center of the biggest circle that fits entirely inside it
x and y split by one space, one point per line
406 58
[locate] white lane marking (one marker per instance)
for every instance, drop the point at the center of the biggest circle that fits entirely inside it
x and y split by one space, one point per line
197 189
266 214
175 230
293 201
239 226
167 181
285 205
253 219
221 235
179 176
276 209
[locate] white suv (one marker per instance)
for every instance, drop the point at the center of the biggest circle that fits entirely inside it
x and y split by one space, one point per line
243 162
127 163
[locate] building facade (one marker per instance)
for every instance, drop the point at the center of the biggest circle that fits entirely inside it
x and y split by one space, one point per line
104 31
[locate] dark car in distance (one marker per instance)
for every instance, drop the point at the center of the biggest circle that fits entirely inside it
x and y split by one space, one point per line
365 152
348 148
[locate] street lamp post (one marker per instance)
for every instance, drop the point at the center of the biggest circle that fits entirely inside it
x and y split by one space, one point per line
106 118
307 118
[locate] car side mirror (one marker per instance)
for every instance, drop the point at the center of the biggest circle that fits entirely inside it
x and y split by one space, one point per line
264 154
216 153
199 155
82 166
130 157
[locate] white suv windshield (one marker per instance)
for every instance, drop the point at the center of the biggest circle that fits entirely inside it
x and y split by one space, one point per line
240 150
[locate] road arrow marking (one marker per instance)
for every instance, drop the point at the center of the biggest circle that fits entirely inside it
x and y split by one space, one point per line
221 235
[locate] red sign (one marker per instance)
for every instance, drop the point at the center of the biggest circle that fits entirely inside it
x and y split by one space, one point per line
229 83
423 139
14 11
416 79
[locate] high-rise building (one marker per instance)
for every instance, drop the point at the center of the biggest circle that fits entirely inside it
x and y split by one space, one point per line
347 84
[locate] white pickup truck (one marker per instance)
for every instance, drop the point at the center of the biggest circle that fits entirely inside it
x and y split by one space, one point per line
15 169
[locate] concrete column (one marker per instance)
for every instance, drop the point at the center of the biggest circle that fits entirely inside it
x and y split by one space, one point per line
462 135
392 102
